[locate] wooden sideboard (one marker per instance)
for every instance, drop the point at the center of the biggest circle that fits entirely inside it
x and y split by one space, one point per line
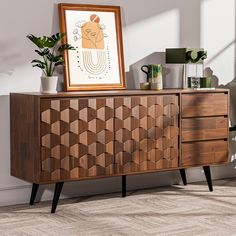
74 136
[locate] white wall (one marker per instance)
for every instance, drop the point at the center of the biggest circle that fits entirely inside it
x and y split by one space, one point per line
148 27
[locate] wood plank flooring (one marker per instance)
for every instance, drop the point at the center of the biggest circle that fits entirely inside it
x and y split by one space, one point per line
175 210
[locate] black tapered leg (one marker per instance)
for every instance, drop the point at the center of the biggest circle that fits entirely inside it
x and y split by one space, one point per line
207 172
57 192
183 176
123 185
34 191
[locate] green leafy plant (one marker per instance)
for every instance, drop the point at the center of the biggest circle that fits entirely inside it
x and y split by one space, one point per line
50 49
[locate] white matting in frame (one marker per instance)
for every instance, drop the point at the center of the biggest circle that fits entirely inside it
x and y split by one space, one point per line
95 32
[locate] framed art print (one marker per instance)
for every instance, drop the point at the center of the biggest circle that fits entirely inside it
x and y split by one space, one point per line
96 34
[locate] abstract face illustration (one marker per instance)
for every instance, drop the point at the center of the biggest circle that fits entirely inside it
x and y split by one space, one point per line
95 33
92 34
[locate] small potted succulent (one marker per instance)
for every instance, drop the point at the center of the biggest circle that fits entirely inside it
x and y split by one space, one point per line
50 49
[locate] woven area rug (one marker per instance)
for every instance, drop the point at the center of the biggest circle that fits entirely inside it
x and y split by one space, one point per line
175 210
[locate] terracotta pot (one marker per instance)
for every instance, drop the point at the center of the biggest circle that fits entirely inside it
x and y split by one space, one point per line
49 84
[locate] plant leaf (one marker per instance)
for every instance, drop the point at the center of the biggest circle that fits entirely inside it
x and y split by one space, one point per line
58 58
41 42
44 52
40 66
37 41
37 61
57 37
59 63
48 42
65 47
50 56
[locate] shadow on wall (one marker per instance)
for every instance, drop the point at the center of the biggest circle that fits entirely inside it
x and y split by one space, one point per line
10 57
133 15
232 87
232 113
172 74
134 76
59 70
219 53
189 12
13 53
209 73
232 146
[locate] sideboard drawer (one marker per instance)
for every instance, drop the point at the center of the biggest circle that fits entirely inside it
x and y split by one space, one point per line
210 104
203 153
204 128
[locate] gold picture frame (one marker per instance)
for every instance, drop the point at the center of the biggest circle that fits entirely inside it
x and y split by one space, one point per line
96 33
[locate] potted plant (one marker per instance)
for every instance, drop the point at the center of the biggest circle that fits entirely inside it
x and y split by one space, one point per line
50 49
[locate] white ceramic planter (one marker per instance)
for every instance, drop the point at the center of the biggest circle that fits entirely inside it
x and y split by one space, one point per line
49 84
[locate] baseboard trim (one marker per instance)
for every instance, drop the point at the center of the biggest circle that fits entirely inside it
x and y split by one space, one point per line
15 187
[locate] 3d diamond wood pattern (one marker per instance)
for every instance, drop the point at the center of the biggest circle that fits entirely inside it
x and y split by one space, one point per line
146 133
87 135
97 137
77 138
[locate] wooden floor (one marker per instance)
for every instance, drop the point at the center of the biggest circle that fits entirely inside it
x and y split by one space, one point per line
176 210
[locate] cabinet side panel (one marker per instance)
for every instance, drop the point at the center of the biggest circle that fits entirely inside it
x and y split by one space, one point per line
24 137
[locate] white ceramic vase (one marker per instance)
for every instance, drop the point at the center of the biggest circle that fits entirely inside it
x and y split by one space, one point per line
49 84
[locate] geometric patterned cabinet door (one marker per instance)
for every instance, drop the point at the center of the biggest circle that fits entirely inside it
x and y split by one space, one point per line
77 138
71 136
146 133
